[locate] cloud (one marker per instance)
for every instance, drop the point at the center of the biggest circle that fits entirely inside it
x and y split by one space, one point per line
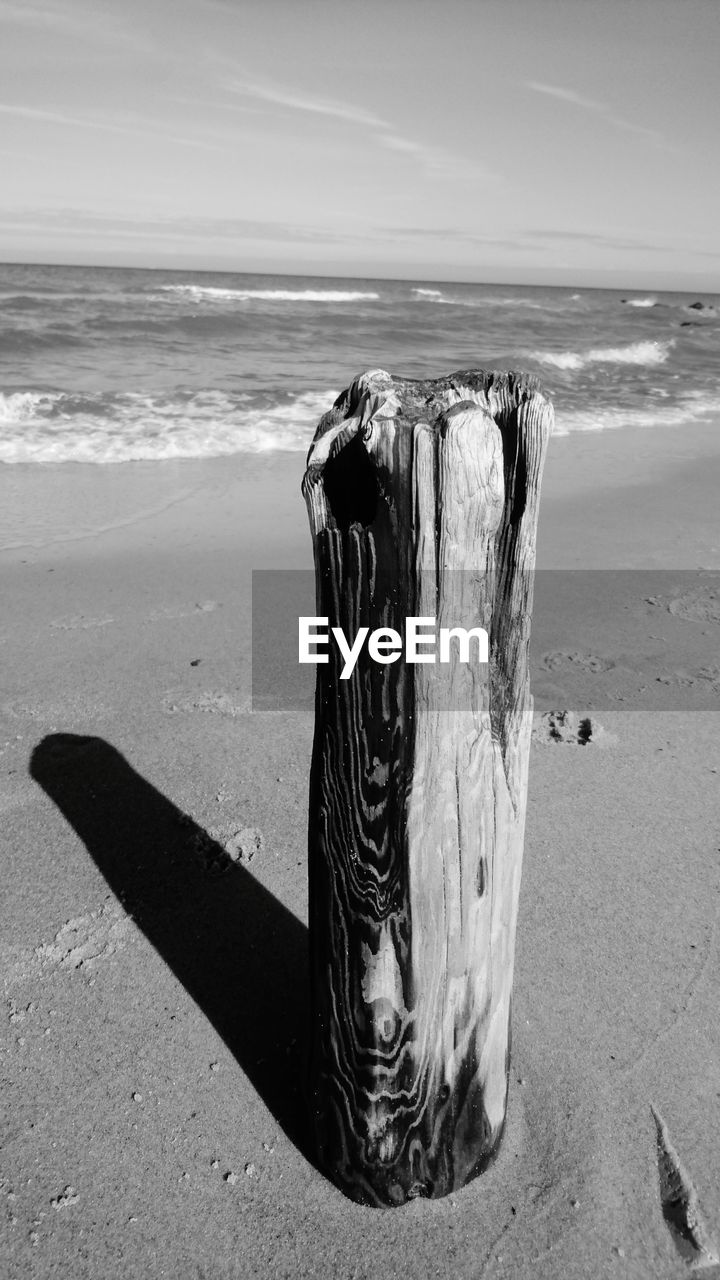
395 143
34 15
192 100
599 239
565 95
529 240
436 162
526 240
453 235
597 108
27 15
302 102
88 22
101 126
76 222
73 222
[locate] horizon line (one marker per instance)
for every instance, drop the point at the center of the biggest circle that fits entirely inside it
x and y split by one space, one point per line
295 274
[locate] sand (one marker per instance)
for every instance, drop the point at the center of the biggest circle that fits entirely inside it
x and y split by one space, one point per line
154 890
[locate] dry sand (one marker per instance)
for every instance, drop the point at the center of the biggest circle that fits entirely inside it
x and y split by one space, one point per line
155 983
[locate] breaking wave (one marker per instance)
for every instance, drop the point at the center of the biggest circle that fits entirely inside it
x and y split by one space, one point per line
693 407
44 426
644 353
206 293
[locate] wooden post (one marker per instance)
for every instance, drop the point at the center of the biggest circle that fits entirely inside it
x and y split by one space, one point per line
422 498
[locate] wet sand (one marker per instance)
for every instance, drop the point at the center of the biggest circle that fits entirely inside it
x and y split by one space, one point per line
153 920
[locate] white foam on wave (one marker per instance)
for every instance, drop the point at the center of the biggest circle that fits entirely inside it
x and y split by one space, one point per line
20 406
428 293
206 293
644 353
640 302
478 303
694 406
133 427
47 427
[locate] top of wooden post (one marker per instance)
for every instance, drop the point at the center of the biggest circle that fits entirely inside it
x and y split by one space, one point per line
377 401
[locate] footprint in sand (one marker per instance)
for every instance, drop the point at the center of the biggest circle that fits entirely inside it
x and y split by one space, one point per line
219 847
243 845
79 622
575 660
707 678
697 604
216 703
86 941
187 611
66 1199
567 728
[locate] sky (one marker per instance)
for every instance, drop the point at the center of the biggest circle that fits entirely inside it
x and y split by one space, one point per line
518 141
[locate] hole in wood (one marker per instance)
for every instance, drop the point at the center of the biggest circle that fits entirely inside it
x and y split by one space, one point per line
351 486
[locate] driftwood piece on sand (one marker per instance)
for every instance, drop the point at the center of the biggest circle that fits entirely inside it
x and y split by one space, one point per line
422 498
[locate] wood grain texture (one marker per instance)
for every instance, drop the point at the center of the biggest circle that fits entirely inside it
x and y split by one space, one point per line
422 499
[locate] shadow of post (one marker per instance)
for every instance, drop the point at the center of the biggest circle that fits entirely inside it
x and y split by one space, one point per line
238 952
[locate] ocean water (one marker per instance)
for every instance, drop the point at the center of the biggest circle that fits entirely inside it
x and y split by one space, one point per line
107 365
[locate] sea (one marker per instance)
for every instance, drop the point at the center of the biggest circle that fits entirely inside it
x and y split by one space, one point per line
116 365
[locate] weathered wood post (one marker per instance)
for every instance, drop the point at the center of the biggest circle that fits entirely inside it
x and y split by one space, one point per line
422 498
